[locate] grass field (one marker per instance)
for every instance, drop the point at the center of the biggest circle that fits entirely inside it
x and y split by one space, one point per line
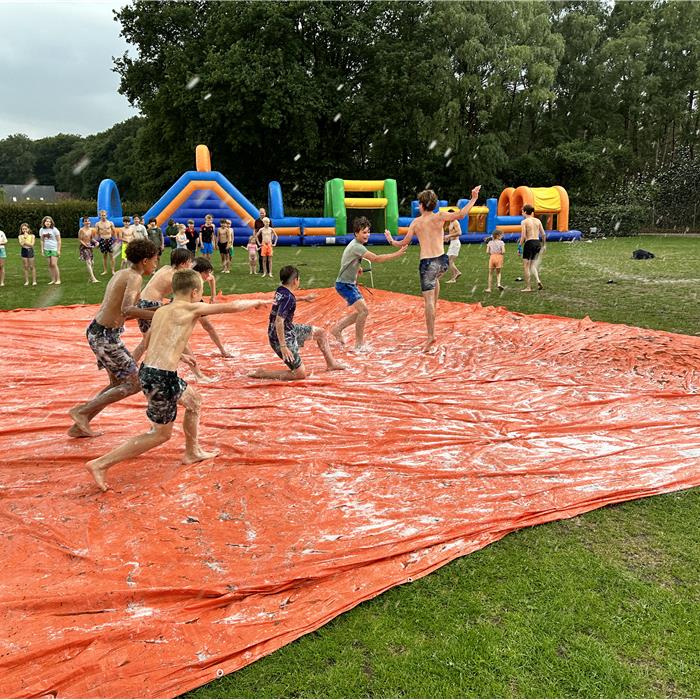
602 605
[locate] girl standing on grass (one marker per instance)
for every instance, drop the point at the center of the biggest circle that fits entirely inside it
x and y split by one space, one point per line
26 241
3 255
51 247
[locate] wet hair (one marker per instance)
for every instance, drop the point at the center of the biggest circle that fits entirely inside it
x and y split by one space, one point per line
360 222
185 281
202 265
497 233
529 209
288 274
180 256
140 250
428 199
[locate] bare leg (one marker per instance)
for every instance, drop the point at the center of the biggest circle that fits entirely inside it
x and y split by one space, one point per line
25 264
429 299
192 402
2 273
157 435
33 266
488 287
526 274
288 375
359 308
535 268
82 414
498 279
92 274
321 338
57 270
140 349
104 262
453 269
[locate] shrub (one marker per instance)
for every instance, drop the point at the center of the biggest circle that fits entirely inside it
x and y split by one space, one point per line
610 219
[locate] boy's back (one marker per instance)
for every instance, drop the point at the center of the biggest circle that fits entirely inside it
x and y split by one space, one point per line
428 228
160 285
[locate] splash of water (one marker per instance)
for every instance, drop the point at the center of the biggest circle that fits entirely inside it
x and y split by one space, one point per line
192 82
81 165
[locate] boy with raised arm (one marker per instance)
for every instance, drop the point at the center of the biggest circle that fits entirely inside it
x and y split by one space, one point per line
286 337
170 332
104 336
428 228
346 283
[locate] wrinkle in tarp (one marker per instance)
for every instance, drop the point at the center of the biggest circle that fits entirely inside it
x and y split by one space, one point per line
327 491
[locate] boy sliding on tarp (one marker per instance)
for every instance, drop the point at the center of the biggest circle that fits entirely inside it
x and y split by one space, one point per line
346 284
171 329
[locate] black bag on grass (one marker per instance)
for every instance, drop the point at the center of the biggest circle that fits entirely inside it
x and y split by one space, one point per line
640 254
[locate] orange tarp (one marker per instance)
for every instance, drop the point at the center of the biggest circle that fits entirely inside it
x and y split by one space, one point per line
327 491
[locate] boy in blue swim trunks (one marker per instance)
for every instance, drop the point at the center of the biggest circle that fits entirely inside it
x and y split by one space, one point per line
207 236
286 337
428 228
346 284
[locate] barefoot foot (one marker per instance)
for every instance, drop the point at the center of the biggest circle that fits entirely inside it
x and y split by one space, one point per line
198 456
527 289
82 423
427 345
338 335
76 432
335 366
98 474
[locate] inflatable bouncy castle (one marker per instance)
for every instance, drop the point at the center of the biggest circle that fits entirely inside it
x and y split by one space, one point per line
205 191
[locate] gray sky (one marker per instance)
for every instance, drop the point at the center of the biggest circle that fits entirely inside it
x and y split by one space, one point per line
55 67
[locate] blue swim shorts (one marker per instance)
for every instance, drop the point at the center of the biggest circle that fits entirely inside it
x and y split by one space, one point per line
349 292
431 270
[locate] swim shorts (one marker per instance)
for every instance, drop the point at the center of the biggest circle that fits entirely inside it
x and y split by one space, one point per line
106 245
3 252
85 254
294 339
266 250
454 247
163 388
27 252
531 249
145 323
349 292
207 248
495 261
50 253
110 351
224 248
431 270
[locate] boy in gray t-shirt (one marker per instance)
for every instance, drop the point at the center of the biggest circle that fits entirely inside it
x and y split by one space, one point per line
346 284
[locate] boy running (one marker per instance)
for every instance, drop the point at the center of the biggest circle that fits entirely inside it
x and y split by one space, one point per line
170 332
346 283
104 336
286 337
428 228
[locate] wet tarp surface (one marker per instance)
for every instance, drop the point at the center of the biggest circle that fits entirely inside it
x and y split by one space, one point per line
327 491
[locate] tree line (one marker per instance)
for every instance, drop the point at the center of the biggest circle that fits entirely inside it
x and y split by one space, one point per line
597 96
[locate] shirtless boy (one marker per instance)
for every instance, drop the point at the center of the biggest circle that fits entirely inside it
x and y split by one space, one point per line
531 231
267 237
104 336
170 332
428 228
106 235
158 288
225 242
85 245
286 337
346 283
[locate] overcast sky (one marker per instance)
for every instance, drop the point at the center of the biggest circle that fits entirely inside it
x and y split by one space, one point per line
56 67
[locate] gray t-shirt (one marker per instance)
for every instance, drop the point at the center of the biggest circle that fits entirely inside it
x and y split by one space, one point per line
351 261
140 232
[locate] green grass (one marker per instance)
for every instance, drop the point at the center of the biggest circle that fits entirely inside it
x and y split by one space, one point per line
602 605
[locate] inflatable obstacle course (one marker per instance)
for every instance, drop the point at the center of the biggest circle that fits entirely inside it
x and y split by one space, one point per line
205 191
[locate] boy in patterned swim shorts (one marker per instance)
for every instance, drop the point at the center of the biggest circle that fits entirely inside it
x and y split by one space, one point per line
104 336
286 337
170 332
428 228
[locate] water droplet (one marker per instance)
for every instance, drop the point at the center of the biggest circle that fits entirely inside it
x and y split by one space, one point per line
432 145
29 185
475 156
617 225
427 185
336 117
297 156
473 289
449 162
604 149
207 96
81 165
386 131
340 87
192 82
447 152
295 188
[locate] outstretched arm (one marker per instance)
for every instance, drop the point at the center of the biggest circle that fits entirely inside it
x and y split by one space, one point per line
231 307
399 243
453 216
385 257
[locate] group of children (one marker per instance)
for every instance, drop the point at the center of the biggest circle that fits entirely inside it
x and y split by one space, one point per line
50 241
167 328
